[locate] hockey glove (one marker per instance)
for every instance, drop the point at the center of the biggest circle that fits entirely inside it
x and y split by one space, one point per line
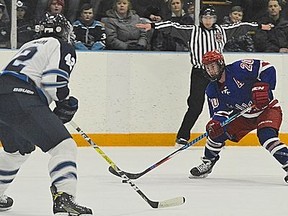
214 129
260 94
66 109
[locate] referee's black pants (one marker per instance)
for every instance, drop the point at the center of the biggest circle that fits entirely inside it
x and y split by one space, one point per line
195 101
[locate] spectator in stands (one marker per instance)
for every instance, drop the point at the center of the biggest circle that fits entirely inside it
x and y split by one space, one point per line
269 41
57 6
6 15
25 26
153 10
165 39
177 13
4 29
103 7
235 15
121 30
189 8
240 39
90 33
254 9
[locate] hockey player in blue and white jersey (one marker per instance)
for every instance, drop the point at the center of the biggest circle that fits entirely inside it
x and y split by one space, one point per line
234 87
35 77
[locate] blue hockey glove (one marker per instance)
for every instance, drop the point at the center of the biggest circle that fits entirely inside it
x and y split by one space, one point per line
214 129
66 109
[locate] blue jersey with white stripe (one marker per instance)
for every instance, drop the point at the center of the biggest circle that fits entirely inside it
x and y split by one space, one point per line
235 92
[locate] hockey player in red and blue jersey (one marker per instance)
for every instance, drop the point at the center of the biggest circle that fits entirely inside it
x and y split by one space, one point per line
234 87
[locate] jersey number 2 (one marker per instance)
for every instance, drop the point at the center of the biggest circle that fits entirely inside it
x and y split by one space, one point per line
17 63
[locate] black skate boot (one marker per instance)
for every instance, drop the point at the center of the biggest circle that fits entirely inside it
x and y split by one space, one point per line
180 142
204 169
64 204
5 203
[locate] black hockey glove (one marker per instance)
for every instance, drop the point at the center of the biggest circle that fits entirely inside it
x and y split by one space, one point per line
66 109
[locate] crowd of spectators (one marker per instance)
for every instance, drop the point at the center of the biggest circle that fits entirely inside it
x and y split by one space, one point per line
110 24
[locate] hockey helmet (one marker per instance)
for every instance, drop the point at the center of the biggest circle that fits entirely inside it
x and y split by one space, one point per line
55 25
211 57
208 10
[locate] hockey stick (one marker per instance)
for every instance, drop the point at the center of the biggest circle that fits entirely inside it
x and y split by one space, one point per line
138 175
154 204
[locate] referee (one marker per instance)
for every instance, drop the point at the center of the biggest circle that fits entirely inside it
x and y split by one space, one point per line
208 36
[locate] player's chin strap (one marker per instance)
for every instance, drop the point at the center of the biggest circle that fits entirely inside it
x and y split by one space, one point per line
137 175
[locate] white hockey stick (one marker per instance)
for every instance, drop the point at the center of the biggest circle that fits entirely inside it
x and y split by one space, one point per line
154 204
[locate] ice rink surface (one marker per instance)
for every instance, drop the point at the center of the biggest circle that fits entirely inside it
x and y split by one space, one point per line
246 181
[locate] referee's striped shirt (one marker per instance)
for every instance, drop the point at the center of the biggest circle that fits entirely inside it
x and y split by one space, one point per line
203 40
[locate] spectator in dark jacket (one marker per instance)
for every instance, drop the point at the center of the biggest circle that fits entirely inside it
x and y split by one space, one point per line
90 33
269 41
240 39
25 26
164 39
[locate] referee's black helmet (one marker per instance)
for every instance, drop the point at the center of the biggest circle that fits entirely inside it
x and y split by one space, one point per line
208 10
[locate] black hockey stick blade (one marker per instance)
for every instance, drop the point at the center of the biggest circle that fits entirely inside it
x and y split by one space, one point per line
129 175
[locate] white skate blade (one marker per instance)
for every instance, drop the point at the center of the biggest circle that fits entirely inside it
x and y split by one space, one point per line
5 209
198 177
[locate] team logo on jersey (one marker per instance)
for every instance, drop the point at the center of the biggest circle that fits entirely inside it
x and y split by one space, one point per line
219 37
238 83
225 91
214 102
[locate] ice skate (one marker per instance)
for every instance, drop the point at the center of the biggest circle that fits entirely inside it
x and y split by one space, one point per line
286 177
64 205
5 203
180 142
204 169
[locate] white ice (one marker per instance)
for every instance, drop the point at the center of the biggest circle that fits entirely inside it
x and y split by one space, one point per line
246 181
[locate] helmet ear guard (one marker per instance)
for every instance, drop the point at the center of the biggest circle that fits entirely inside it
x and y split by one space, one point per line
211 57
